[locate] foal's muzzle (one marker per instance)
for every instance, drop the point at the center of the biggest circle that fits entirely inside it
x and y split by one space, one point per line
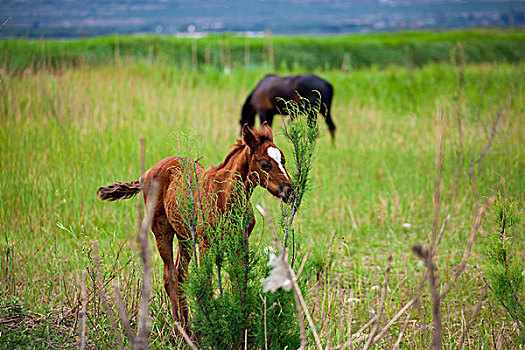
285 191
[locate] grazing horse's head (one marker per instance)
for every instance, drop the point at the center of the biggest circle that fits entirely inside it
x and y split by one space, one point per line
267 162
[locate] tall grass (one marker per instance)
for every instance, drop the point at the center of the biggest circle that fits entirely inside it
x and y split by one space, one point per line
64 133
413 49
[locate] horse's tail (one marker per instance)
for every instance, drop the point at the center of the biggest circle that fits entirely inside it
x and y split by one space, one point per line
119 190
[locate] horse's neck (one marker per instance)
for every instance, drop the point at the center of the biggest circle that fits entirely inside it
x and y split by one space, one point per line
230 178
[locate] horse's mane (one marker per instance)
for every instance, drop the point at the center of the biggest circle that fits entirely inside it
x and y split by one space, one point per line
237 147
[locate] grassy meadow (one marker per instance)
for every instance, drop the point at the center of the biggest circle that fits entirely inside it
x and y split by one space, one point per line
64 132
346 52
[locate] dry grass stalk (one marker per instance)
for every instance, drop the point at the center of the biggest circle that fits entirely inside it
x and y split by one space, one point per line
350 341
437 180
7 280
428 254
141 341
102 294
299 301
359 333
433 282
82 314
265 332
440 234
299 298
393 320
475 313
123 315
403 330
478 212
416 301
185 336
371 337
352 216
433 279
301 267
296 298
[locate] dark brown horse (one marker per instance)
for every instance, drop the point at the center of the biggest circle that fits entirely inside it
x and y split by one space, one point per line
254 160
266 98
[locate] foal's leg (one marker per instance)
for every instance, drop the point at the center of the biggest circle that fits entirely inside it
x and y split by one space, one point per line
164 234
184 255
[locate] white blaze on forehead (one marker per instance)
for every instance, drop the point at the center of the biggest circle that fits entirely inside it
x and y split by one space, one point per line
275 154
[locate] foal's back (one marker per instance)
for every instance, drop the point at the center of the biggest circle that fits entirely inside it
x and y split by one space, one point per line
172 176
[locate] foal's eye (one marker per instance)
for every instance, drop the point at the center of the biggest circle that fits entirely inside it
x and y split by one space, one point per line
266 166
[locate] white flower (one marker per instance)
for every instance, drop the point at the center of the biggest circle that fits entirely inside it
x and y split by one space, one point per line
269 250
407 225
352 300
278 277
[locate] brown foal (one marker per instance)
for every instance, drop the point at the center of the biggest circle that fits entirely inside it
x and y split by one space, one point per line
254 160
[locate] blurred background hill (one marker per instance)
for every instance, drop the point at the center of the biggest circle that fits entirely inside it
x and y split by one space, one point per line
77 18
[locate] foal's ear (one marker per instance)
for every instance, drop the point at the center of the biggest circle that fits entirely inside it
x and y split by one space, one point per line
266 131
247 136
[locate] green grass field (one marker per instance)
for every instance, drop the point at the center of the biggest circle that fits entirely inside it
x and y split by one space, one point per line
66 132
413 49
